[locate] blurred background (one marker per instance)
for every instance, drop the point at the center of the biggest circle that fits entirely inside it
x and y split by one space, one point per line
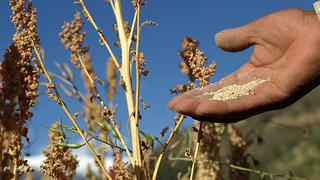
285 141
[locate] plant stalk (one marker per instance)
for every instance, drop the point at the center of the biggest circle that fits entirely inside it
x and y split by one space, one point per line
164 148
126 75
100 33
196 152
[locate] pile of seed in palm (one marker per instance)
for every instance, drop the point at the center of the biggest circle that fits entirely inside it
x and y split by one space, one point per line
234 91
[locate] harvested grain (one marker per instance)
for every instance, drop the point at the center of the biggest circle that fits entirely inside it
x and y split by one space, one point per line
234 91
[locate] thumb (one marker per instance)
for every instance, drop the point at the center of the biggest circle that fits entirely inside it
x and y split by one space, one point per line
236 39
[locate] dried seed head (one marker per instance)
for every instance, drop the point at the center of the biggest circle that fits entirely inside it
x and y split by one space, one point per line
127 30
194 62
18 88
59 162
193 65
137 3
111 77
72 38
142 64
180 89
164 131
119 168
24 18
51 95
149 22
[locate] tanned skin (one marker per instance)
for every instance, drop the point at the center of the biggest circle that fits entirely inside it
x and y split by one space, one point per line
286 54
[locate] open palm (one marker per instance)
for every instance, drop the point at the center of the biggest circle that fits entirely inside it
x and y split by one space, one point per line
286 54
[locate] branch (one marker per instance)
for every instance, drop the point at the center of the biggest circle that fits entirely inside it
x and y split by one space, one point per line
127 78
164 148
196 152
136 16
100 33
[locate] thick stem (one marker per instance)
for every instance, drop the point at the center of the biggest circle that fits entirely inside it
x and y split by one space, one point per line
126 75
137 92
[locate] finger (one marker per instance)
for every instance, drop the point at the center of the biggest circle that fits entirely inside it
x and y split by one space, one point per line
192 94
187 105
173 102
236 39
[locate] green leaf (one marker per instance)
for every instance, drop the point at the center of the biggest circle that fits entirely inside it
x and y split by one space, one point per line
71 146
106 126
72 129
50 129
53 130
57 131
148 138
61 132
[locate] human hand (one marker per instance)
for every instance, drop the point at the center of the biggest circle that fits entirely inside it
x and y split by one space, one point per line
286 54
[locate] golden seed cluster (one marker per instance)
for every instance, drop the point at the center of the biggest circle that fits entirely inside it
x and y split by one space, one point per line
181 88
59 164
193 65
72 38
24 18
142 64
119 168
195 62
18 89
127 29
137 3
